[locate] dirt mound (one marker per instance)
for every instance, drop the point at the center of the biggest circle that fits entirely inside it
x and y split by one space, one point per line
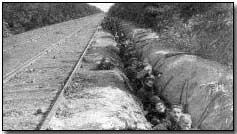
101 104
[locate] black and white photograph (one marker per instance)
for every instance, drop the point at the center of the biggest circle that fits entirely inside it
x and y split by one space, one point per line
140 66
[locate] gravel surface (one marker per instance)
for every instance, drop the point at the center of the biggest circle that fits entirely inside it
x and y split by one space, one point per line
19 48
28 95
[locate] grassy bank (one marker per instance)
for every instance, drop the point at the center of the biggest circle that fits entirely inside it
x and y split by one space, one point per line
203 29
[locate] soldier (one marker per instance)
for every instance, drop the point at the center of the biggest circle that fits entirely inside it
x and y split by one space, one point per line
155 99
174 116
122 48
157 74
129 54
116 37
144 71
106 64
185 122
129 50
148 83
158 114
172 120
130 47
146 92
131 62
131 68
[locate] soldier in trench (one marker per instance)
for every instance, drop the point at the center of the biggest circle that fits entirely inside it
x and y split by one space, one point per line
130 68
129 50
106 64
123 47
148 70
146 92
158 114
129 54
185 122
174 117
171 120
145 70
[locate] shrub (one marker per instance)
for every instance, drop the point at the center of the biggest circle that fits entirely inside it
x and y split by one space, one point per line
22 17
204 29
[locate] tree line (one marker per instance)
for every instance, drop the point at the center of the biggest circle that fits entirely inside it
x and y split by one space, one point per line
204 29
21 17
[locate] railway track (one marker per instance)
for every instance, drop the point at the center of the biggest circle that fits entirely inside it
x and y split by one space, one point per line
12 73
44 124
23 47
22 43
32 91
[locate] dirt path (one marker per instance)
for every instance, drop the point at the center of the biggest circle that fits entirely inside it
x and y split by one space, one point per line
28 95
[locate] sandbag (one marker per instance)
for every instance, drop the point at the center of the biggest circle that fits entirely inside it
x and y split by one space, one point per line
205 86
206 80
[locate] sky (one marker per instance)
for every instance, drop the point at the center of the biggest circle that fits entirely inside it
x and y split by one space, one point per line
103 6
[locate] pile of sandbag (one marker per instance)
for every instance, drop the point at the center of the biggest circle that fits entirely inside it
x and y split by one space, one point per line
204 86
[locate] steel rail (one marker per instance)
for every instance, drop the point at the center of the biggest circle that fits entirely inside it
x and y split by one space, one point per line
59 97
12 73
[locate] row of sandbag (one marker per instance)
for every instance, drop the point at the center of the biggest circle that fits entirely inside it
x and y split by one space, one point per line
205 87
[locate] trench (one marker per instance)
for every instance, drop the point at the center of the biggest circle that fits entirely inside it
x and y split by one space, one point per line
103 95
206 87
99 96
127 54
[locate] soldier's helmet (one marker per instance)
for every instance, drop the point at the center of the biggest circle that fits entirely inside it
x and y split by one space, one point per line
148 67
179 106
107 60
160 101
150 77
155 99
157 74
146 60
149 81
133 59
133 62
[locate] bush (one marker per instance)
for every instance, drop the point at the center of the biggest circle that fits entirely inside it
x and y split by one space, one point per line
22 17
112 25
204 29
